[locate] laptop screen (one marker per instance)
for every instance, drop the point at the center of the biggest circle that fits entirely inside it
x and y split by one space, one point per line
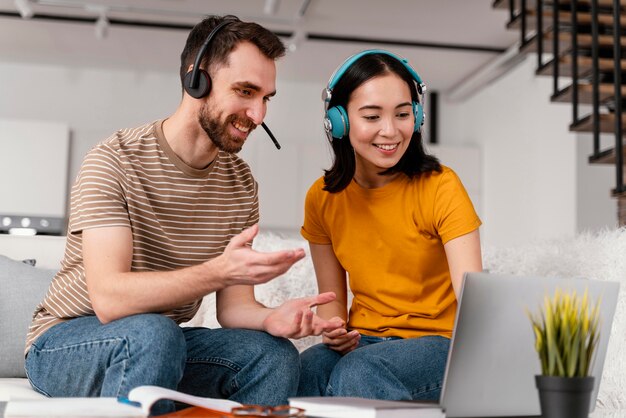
492 361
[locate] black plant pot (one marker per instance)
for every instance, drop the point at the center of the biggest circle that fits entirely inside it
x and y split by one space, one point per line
564 397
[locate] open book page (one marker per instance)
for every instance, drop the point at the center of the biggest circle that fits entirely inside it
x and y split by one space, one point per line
148 395
71 407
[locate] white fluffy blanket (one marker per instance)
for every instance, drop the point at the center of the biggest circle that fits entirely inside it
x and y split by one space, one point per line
600 256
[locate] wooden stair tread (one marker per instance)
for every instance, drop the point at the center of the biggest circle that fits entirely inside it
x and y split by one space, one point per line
584 18
618 195
607 123
565 42
585 93
606 157
584 66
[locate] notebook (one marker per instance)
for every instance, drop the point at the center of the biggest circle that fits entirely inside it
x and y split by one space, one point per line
492 361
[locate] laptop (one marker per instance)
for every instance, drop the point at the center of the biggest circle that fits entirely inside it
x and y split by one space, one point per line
492 361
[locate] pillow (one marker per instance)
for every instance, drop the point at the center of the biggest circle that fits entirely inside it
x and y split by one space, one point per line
22 287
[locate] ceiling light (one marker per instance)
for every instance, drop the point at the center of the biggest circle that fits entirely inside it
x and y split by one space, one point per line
299 35
102 26
102 23
25 8
271 7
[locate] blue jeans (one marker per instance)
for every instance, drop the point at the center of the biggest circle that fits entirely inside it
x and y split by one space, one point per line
82 357
379 368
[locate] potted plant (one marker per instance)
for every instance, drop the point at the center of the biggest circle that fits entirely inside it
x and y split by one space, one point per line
566 336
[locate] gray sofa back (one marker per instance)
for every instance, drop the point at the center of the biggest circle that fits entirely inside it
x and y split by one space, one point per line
22 287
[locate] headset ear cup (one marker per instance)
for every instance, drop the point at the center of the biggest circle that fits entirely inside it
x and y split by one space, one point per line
337 118
418 112
204 84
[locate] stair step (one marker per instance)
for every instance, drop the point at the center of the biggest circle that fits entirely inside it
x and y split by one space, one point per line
584 18
606 91
620 195
584 66
565 42
606 157
607 123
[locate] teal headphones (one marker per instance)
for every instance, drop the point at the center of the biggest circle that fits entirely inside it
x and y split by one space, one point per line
336 122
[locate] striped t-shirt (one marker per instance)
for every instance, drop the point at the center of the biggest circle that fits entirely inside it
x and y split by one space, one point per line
179 216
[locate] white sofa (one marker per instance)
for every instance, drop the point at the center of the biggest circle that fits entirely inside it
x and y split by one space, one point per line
600 255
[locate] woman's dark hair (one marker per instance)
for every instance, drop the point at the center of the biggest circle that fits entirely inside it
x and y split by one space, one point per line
225 40
415 160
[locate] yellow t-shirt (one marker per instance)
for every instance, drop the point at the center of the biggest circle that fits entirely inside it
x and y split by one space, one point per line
390 241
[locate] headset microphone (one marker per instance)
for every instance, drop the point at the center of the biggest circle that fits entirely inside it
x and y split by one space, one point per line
197 82
270 134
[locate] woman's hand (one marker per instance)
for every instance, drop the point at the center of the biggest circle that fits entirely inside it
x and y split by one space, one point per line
340 339
295 319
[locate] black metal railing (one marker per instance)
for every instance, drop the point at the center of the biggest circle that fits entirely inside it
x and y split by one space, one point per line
588 76
617 80
595 79
575 80
555 47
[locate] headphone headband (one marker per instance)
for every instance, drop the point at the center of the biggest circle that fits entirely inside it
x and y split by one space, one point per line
336 76
195 72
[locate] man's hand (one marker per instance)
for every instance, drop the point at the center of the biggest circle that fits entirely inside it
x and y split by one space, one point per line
240 264
340 340
295 319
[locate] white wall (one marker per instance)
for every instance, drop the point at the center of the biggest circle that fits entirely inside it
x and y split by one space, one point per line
92 102
596 208
535 176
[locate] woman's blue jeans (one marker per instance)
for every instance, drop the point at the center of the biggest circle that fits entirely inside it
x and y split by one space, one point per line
379 368
82 357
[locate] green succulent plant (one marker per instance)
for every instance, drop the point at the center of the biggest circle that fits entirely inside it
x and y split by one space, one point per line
566 334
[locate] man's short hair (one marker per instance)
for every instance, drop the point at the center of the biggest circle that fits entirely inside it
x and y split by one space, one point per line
225 40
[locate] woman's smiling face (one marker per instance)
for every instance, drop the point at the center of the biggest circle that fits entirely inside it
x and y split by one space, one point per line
381 119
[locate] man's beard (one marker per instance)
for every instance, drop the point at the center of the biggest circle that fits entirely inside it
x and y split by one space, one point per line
218 131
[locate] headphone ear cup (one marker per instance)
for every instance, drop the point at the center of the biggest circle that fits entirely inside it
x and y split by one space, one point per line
204 84
418 112
337 122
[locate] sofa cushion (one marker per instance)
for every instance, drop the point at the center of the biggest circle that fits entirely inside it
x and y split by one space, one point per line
14 388
22 287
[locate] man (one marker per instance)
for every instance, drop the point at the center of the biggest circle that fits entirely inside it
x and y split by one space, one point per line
162 215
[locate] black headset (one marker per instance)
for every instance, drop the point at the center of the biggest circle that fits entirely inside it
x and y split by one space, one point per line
197 82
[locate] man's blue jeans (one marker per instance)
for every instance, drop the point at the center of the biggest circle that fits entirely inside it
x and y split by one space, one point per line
379 368
82 357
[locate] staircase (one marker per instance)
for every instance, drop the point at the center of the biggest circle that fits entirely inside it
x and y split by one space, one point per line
581 44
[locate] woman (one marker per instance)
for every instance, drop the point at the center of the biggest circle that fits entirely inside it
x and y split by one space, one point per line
400 225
